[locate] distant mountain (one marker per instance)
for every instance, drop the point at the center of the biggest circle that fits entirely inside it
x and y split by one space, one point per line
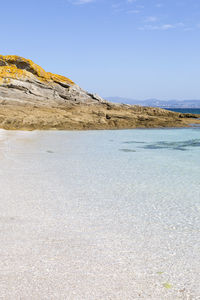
157 103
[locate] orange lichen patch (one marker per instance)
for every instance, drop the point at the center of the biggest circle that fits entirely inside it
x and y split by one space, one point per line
13 72
59 78
15 66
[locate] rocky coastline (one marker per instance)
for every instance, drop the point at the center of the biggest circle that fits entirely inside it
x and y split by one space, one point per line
31 98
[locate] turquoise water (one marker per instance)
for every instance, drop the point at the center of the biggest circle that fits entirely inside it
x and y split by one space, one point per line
186 110
101 214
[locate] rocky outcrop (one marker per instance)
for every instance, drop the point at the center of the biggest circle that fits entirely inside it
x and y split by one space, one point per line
23 82
31 98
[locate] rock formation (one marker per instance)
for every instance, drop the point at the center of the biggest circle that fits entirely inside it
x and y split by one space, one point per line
31 98
23 82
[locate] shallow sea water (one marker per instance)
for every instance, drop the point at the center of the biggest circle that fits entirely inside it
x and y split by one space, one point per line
100 214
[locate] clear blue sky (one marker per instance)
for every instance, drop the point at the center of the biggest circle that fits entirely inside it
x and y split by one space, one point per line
132 48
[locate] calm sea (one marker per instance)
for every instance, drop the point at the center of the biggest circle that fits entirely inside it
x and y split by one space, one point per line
100 214
185 110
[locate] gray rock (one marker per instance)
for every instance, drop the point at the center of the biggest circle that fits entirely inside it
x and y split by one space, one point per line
23 82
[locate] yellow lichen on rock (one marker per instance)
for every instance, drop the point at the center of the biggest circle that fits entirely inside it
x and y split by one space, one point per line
16 67
7 72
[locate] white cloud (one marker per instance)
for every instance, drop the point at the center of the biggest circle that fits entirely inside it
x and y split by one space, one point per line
133 11
131 1
159 5
150 19
158 27
167 26
116 5
80 2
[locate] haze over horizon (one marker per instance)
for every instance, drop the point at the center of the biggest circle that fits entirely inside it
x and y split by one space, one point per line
130 48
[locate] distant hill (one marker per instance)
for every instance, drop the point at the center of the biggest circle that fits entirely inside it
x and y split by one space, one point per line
157 103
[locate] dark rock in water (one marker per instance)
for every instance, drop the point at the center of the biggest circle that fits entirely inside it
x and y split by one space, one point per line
127 150
179 145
